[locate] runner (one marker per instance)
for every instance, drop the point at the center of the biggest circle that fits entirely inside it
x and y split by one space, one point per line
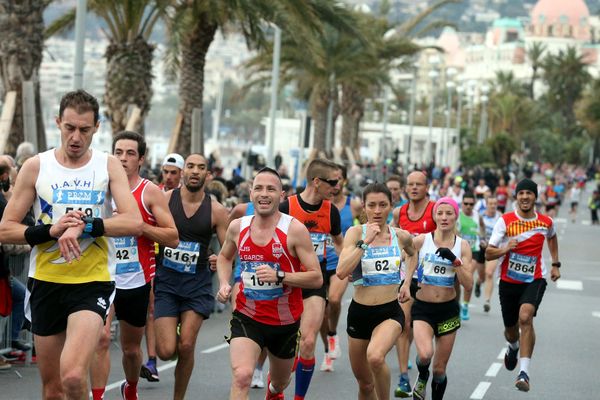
396 186
550 199
314 209
517 243
443 257
488 220
183 283
472 231
503 195
416 217
337 287
71 272
135 269
277 260
372 255
172 169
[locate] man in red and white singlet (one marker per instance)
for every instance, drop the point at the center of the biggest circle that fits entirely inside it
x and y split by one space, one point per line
517 241
416 217
135 267
277 261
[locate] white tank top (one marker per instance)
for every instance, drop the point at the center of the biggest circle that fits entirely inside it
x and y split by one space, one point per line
434 270
58 190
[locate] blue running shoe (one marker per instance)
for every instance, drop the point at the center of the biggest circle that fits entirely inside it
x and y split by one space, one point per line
403 389
522 382
149 371
464 312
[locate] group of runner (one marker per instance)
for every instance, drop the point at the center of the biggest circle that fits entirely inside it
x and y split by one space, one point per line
93 253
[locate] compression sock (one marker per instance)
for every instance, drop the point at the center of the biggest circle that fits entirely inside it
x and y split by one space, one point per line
98 394
438 387
131 390
423 370
304 373
524 364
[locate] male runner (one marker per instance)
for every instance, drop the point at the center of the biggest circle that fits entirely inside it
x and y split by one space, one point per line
517 241
135 269
71 272
337 286
472 231
172 167
277 260
395 184
488 220
416 217
183 283
314 209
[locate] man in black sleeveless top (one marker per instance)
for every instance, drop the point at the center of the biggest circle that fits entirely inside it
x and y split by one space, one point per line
183 285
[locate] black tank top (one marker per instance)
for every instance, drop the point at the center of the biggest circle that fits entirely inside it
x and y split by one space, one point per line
178 273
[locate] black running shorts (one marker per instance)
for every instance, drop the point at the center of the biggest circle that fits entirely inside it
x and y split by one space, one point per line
362 319
444 318
513 295
131 305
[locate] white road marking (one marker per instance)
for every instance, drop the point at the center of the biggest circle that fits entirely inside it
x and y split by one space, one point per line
493 370
586 222
560 220
596 314
502 353
569 285
480 390
171 364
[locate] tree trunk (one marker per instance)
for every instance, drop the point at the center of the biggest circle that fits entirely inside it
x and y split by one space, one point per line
128 81
353 108
21 46
318 107
191 80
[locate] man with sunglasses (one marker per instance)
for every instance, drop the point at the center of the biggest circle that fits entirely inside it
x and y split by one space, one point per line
472 231
313 207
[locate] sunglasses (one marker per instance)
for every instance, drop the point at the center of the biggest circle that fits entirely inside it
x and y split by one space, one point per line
469 204
330 182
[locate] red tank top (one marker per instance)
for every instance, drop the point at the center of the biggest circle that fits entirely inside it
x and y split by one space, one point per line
318 223
135 255
267 303
425 224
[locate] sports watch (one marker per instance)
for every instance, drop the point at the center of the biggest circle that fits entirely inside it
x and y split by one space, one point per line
280 276
362 245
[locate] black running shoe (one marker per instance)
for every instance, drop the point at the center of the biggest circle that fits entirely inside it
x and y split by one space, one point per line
477 289
510 358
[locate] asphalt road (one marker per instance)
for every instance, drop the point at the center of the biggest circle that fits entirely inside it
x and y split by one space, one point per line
565 363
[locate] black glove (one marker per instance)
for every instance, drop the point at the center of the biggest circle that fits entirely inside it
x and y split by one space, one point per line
446 253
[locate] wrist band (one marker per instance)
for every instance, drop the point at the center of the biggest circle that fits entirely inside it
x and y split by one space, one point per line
38 234
93 226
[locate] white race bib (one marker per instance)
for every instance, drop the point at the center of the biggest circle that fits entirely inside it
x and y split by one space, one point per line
437 271
319 240
521 267
254 288
127 255
381 266
182 259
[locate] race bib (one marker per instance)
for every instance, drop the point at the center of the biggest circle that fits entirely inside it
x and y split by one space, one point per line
127 255
182 259
319 240
521 267
254 288
381 266
437 271
87 201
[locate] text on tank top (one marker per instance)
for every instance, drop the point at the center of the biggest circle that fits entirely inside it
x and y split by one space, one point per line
433 269
379 265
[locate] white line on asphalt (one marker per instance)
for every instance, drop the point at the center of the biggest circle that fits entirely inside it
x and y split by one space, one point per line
493 370
596 314
585 222
560 220
171 364
569 285
502 353
480 390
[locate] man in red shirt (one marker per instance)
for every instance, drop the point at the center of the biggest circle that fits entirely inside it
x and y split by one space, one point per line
517 241
277 261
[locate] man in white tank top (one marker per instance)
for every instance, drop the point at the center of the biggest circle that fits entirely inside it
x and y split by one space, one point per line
70 285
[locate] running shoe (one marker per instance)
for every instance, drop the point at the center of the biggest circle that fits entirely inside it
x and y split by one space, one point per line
149 371
123 387
20 345
522 382
274 396
403 389
257 379
510 358
487 306
464 312
327 364
4 364
419 390
333 343
477 289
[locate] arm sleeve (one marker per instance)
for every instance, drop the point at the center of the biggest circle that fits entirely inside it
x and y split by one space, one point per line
335 220
498 233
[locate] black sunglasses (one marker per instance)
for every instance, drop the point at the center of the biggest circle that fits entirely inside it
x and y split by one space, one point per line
330 182
468 204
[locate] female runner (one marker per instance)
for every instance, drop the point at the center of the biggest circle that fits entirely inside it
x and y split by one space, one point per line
372 254
443 257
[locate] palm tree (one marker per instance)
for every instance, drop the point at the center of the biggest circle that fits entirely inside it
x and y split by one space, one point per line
534 53
194 24
128 55
22 32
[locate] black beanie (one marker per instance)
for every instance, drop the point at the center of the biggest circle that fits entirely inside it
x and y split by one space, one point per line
527 184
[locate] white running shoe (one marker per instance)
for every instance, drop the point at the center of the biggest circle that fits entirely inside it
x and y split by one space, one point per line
257 379
327 364
333 342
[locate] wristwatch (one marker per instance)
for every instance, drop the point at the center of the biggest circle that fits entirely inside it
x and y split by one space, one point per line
89 224
362 245
556 264
280 276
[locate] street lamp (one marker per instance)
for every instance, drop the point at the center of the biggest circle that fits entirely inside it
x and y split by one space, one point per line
459 92
411 116
445 143
274 91
482 136
433 74
470 94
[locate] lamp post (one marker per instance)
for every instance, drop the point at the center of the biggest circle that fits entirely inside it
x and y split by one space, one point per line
459 92
482 135
470 93
274 91
433 74
411 115
450 85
